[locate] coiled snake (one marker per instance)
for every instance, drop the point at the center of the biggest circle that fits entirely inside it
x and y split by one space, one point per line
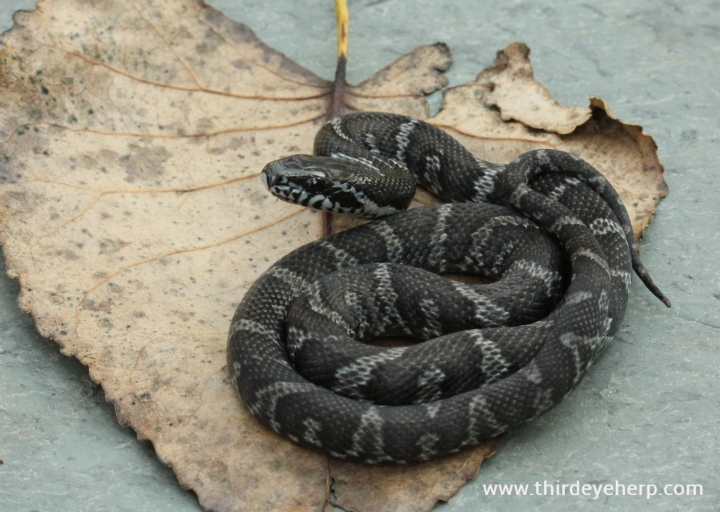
548 227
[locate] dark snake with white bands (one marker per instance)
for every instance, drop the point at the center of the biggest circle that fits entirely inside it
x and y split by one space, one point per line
557 240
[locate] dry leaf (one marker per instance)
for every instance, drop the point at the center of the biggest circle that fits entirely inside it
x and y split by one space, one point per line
133 217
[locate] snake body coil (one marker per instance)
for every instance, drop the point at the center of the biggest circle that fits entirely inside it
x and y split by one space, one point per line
557 240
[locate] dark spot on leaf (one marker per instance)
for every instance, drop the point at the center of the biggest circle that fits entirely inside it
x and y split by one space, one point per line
240 64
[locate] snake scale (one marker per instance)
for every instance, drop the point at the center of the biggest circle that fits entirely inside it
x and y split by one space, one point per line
548 229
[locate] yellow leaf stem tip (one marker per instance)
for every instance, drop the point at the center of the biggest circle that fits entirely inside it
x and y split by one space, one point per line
343 23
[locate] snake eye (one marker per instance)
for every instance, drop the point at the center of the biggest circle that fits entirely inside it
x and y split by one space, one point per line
314 182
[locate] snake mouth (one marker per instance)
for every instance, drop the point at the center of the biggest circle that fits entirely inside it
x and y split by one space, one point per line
290 192
335 200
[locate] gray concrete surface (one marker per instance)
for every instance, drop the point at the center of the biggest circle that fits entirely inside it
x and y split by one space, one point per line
648 413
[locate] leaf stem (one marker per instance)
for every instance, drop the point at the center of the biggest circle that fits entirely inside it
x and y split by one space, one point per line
343 22
337 100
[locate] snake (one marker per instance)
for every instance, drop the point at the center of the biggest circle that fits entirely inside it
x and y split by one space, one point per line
548 231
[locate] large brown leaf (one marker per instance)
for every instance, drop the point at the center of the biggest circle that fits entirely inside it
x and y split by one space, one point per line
133 134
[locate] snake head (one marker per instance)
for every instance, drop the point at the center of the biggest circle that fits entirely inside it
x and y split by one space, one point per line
322 183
